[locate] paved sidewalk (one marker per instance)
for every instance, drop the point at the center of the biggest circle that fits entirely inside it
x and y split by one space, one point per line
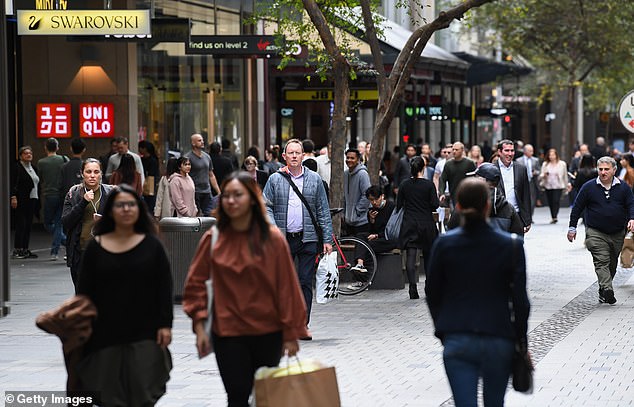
380 342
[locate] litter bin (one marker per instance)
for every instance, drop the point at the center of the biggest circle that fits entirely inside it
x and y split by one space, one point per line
180 237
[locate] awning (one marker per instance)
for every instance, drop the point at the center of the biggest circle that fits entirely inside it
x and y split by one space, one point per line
484 70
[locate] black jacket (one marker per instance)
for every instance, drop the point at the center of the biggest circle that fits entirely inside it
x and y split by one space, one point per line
502 215
472 274
72 214
222 167
522 191
22 184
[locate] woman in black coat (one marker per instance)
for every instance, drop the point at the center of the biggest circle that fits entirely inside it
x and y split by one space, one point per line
24 200
473 272
418 198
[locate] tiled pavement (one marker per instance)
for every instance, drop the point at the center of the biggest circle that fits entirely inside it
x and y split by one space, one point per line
380 342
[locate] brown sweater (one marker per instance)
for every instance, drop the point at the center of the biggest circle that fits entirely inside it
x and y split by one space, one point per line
254 294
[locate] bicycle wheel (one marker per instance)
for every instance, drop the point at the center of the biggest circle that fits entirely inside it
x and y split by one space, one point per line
349 250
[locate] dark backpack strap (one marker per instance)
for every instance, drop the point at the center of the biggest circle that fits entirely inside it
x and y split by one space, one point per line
318 229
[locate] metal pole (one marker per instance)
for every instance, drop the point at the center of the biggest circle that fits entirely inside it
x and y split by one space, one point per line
5 237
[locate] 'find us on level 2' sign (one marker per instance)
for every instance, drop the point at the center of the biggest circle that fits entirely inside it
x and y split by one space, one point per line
626 111
262 46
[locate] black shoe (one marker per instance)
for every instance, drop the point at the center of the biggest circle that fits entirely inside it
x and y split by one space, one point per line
30 255
19 254
308 337
413 292
606 296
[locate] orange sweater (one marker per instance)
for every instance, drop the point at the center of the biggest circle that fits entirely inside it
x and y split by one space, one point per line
253 294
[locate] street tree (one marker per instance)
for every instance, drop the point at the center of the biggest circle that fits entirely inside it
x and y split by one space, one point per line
574 44
330 21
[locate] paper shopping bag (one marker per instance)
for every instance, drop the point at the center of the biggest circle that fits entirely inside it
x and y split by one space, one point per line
627 252
313 389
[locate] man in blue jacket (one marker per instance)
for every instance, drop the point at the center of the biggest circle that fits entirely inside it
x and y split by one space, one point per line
286 210
609 206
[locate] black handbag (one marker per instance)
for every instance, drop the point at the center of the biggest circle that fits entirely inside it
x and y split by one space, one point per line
522 368
522 371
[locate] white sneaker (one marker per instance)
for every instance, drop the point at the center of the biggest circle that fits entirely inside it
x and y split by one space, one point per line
360 268
54 257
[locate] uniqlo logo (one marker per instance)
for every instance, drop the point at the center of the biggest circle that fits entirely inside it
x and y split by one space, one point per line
96 120
53 120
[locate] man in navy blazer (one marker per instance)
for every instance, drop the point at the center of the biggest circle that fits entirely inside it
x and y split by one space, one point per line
514 183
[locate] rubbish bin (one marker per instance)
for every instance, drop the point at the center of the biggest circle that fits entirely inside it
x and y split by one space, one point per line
180 237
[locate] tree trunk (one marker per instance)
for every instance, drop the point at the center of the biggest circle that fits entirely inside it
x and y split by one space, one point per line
338 131
569 134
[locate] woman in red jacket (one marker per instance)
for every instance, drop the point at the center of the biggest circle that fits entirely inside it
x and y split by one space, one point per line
258 308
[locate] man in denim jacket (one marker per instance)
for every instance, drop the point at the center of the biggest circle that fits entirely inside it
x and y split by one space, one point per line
286 210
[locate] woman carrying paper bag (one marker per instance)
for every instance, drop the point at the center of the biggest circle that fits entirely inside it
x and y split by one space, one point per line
258 308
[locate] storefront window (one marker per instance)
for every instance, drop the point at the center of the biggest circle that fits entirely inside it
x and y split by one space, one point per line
181 94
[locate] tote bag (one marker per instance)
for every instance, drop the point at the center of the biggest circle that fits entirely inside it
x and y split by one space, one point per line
393 227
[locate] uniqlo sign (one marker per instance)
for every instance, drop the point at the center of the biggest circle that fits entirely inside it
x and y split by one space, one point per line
53 120
96 120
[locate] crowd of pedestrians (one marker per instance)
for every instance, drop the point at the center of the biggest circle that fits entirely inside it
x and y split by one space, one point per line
273 220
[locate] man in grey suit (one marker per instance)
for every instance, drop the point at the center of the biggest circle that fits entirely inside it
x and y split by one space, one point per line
532 170
514 182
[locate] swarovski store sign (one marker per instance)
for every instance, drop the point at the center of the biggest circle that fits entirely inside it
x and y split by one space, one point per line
83 22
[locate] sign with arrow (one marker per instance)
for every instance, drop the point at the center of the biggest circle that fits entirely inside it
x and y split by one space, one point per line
626 111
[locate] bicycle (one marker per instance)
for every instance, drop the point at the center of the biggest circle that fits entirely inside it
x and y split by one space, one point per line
349 249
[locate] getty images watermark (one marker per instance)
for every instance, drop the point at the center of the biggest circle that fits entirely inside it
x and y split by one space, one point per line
48 399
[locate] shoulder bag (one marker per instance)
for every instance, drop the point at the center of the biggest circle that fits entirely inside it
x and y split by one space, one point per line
393 227
318 229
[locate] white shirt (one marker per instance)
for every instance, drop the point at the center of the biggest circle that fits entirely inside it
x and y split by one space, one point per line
509 184
29 170
115 160
295 212
323 167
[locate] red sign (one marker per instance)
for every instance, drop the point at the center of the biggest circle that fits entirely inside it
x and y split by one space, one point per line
96 120
53 120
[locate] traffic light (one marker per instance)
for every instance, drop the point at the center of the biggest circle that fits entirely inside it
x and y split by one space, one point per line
507 119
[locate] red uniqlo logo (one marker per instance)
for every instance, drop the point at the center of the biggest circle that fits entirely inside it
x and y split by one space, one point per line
53 120
96 120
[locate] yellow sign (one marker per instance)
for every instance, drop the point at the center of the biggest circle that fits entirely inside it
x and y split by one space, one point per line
324 95
50 5
83 22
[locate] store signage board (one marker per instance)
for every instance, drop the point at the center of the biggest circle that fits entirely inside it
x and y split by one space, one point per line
626 111
83 22
261 46
53 120
96 120
320 95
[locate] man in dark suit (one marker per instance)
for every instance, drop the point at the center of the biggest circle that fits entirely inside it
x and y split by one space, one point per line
514 183
403 171
532 171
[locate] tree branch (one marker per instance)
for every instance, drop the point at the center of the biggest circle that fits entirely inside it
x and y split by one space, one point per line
373 41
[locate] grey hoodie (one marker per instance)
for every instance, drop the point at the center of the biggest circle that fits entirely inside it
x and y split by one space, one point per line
356 205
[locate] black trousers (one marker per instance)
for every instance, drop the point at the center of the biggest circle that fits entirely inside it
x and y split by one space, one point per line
23 221
238 358
554 198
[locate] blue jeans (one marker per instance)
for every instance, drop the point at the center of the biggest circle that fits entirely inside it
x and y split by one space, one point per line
468 357
53 206
305 254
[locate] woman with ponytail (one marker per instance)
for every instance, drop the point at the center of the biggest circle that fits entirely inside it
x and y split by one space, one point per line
473 272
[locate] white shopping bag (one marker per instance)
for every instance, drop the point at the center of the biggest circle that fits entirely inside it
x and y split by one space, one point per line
327 278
